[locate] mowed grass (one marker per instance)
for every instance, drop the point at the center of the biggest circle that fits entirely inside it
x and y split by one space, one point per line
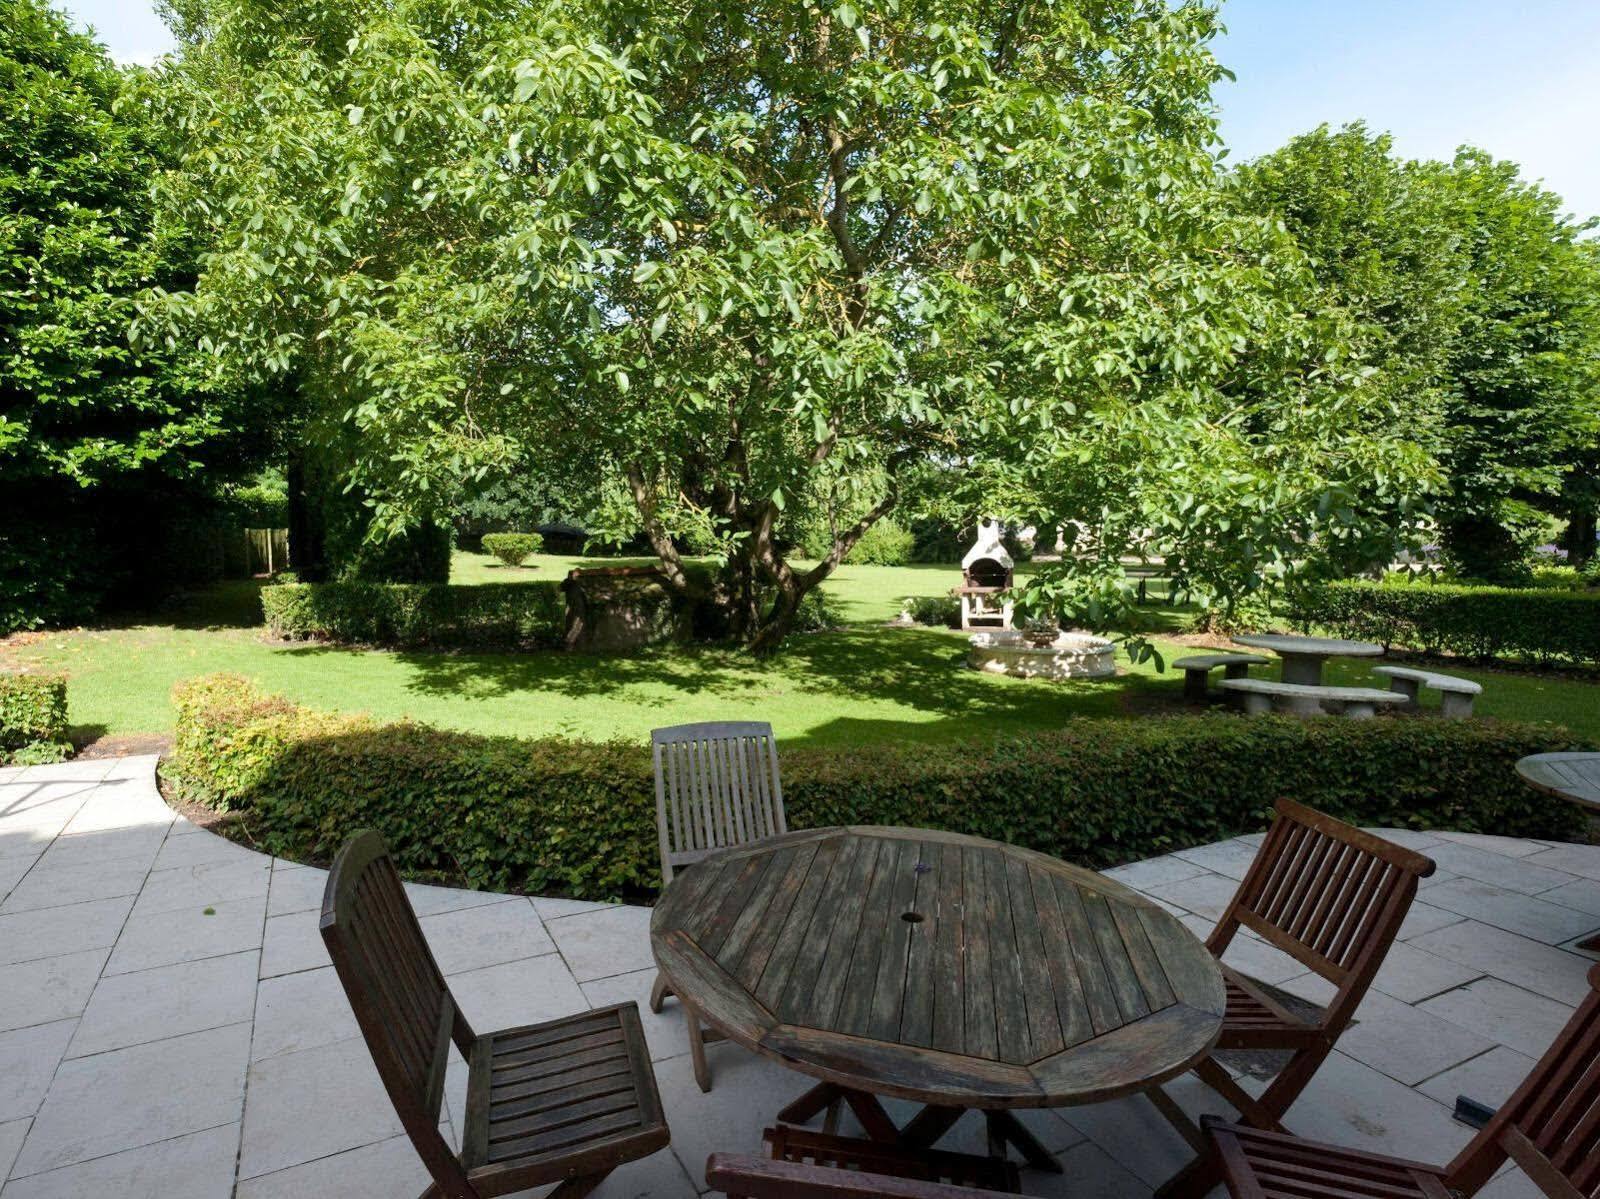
857 684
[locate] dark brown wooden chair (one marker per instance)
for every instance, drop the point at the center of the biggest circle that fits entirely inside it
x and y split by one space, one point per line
717 786
1550 1127
1330 896
814 1165
565 1101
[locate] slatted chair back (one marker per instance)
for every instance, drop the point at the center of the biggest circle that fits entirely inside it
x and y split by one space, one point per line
742 1177
716 786
1551 1125
401 1002
1329 895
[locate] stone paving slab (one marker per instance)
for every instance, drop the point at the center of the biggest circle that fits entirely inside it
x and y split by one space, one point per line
169 1023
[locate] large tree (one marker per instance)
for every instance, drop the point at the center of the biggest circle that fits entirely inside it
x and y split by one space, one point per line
746 256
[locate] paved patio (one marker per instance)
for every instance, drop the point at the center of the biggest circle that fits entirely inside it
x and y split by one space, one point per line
169 1023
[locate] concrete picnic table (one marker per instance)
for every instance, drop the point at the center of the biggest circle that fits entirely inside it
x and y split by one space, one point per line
1303 656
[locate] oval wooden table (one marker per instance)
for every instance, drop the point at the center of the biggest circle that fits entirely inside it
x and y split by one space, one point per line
1303 656
1573 776
948 970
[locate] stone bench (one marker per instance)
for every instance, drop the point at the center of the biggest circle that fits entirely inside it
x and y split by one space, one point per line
1359 703
1198 667
1455 694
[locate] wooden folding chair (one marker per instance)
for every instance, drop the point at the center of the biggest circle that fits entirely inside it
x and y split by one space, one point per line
813 1165
716 786
1330 896
565 1101
1550 1127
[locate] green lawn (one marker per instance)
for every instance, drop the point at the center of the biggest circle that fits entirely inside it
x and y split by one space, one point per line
861 683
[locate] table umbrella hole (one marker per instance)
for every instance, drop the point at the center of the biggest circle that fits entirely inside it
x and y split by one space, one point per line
912 917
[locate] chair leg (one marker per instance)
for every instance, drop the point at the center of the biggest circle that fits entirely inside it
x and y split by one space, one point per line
697 1046
658 992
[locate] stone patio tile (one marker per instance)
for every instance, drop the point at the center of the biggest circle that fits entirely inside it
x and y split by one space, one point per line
11 1136
295 889
1138 1136
517 993
12 871
1512 911
1410 973
192 851
1408 1044
76 771
50 932
106 845
612 940
1247 953
28 1060
1511 847
309 1105
47 989
1511 874
666 1034
196 1166
1531 965
187 934
554 907
471 938
1088 1172
57 886
1152 872
26 830
1204 894
1510 1015
1231 859
1510 1183
380 1171
202 885
293 942
1489 1078
1582 894
131 1097
124 805
301 1011
1348 1103
430 901
130 1009
1424 918
1410 838
1582 860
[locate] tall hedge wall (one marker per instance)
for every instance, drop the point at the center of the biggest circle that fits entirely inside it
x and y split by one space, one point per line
551 814
1543 625
419 615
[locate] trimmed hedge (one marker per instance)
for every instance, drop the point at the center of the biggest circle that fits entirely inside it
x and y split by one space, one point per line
552 814
33 718
419 615
513 549
1476 621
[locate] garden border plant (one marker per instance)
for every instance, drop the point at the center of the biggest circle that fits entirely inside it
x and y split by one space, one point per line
33 719
549 814
419 615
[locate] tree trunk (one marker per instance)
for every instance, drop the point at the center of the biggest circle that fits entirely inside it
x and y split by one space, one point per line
1580 538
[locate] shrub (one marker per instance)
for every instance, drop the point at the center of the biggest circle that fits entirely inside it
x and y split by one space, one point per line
884 544
550 813
935 610
416 615
1472 620
512 548
33 718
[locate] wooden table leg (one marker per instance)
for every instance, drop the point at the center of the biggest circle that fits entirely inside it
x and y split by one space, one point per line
1592 944
928 1125
875 1121
811 1103
1006 1128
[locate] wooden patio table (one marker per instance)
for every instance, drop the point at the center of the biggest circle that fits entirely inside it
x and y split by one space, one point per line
1573 776
948 970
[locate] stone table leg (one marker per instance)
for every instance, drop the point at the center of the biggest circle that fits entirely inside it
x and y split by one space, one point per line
1305 669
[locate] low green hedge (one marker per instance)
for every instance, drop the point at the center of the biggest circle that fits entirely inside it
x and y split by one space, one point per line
33 718
419 615
512 548
551 814
1543 625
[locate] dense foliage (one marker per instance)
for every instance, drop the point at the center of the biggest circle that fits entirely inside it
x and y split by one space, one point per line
512 549
552 814
33 718
98 443
417 615
1540 625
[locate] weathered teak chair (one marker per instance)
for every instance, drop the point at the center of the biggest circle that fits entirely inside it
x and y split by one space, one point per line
1330 896
1550 1127
812 1165
565 1101
716 786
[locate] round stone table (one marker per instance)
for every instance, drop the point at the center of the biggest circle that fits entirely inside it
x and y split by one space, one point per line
1303 656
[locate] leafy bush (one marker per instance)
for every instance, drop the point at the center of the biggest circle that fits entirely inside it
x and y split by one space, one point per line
538 815
1476 621
415 615
33 718
934 610
512 548
884 544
